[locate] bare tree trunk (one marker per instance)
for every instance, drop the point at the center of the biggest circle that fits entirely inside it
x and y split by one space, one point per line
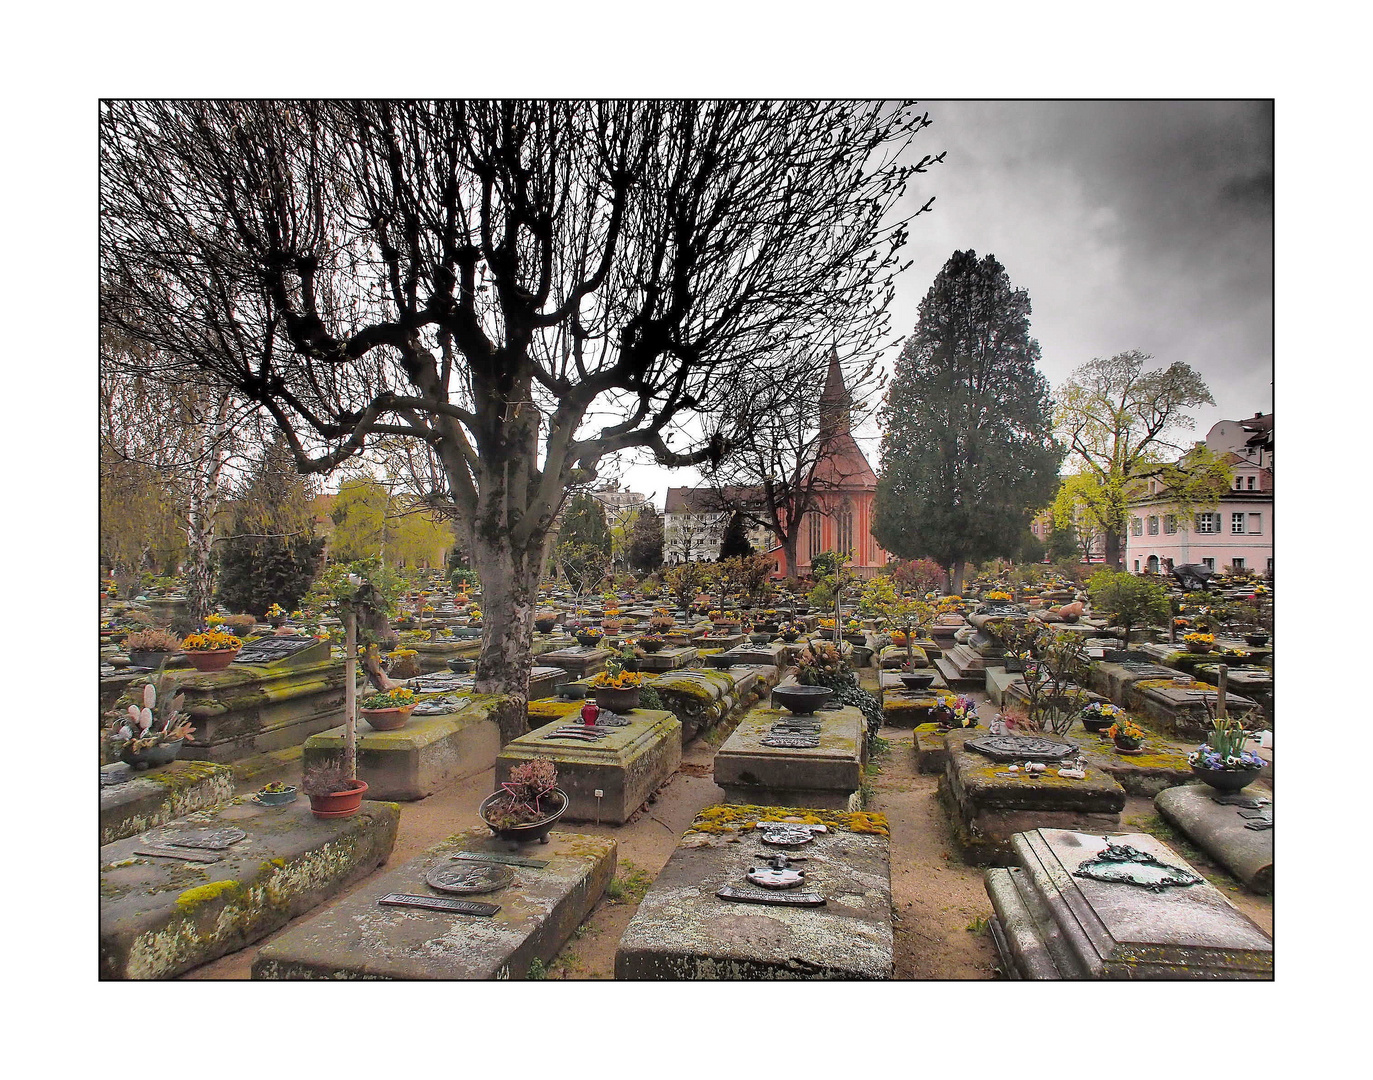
202 502
1113 549
956 578
510 589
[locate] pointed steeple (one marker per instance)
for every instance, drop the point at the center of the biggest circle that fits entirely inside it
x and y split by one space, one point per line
836 406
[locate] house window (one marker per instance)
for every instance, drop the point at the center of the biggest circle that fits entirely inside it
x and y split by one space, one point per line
1256 523
1153 525
1170 523
1208 523
1251 483
1210 564
1270 565
1237 564
814 536
1239 483
1136 566
1237 522
1136 526
845 525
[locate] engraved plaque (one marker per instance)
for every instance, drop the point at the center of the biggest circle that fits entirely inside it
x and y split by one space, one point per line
439 903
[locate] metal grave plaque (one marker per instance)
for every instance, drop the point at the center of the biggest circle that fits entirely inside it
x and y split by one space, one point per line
439 903
787 835
209 839
1126 865
492 857
1021 748
185 854
458 877
271 650
792 742
788 899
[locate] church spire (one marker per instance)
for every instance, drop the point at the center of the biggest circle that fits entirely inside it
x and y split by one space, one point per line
836 406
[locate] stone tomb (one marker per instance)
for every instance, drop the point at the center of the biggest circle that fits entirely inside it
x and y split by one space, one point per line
132 801
627 764
253 708
902 708
428 753
894 656
580 662
701 698
1223 832
668 659
1052 924
540 907
988 804
827 776
161 916
682 930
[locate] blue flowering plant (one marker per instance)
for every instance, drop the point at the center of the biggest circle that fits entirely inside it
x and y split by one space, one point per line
1224 748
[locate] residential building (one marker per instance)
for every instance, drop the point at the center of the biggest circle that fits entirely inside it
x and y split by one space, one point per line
694 526
1235 533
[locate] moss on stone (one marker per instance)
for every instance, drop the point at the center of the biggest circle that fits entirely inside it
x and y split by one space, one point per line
192 898
733 818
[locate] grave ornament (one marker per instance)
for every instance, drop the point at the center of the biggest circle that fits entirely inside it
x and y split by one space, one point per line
1021 748
271 649
1126 865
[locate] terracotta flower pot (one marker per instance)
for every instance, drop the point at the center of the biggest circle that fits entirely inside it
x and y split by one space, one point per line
386 719
619 700
339 803
211 659
1193 647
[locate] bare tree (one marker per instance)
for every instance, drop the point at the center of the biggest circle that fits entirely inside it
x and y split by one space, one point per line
526 287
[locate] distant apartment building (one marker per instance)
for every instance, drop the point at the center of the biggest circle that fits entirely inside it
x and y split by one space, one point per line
1236 533
694 526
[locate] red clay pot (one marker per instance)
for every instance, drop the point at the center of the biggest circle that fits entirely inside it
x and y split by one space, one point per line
339 803
211 659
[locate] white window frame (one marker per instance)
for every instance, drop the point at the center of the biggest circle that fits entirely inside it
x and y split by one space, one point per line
1153 525
1208 522
1136 526
1237 522
1251 483
1170 524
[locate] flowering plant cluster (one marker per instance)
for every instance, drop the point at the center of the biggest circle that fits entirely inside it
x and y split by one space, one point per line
1126 729
1100 710
818 661
214 620
1199 639
474 613
1207 757
960 711
141 731
615 677
276 611
590 631
210 641
997 594
397 698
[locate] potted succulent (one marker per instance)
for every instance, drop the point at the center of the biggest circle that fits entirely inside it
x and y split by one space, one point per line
528 804
333 792
1099 715
240 625
211 650
1222 761
151 648
1198 642
1127 736
616 688
150 736
275 794
661 622
387 710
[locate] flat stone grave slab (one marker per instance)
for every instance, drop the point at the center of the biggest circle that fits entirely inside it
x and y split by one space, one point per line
1158 766
286 650
540 907
427 754
543 644
682 930
433 656
721 641
1051 923
827 775
626 764
902 708
700 697
161 916
579 662
1115 679
1182 710
1247 679
669 659
931 755
776 653
999 680
1223 832
132 801
988 804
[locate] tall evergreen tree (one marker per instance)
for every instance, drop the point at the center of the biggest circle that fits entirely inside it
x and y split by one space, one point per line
735 541
968 452
646 541
584 524
272 554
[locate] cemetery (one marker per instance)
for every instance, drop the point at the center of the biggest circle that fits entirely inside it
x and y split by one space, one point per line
397 682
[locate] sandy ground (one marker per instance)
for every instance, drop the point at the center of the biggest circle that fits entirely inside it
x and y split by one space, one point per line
939 904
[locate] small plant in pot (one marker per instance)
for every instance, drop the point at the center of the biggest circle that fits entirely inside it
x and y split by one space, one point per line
334 792
212 650
1199 643
616 688
1099 715
387 710
1222 761
527 805
652 643
150 648
151 736
1127 736
955 712
275 794
589 636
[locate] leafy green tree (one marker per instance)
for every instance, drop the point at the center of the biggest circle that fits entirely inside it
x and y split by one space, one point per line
1062 543
968 453
1120 424
359 516
734 543
646 541
584 524
1130 601
272 554
1031 548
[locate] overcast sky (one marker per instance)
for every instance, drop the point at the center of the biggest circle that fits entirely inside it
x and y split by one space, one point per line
1132 224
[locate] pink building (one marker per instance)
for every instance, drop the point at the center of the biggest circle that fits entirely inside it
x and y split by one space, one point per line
1236 533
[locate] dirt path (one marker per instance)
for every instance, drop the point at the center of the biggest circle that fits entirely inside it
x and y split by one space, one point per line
939 904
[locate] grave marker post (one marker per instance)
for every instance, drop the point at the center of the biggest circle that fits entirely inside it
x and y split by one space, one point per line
350 691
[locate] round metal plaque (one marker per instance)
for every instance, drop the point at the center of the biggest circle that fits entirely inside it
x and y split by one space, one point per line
769 877
1021 748
469 878
786 835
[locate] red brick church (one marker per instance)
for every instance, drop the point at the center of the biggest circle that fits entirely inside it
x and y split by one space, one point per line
844 492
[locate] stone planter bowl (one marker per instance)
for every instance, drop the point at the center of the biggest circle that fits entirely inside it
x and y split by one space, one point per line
802 700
